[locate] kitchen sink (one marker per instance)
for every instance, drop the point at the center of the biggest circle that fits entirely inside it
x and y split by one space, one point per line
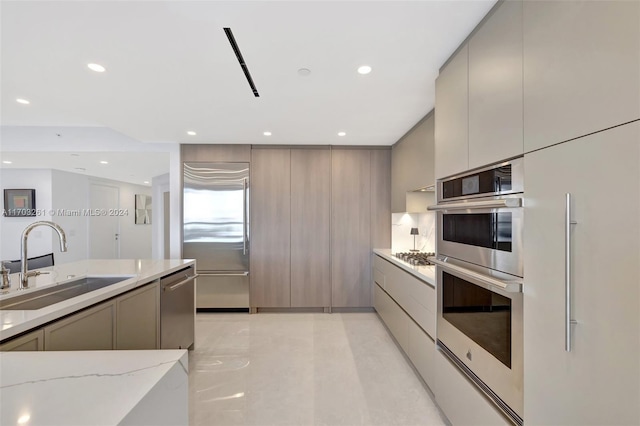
48 296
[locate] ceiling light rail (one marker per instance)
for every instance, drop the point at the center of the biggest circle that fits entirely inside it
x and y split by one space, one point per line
243 65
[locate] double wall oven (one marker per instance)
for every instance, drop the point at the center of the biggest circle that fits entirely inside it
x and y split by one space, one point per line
479 270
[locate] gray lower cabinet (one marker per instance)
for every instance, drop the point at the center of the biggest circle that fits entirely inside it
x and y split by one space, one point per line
33 341
581 68
92 329
138 318
406 305
310 227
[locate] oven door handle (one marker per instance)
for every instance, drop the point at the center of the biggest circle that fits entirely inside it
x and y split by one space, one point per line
490 204
511 286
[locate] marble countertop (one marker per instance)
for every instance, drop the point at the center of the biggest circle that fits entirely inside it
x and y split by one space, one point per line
94 387
137 272
425 273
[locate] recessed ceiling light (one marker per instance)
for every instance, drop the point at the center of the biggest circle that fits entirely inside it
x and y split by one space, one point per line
22 101
7 162
364 69
267 133
191 133
96 67
146 181
303 72
104 162
342 134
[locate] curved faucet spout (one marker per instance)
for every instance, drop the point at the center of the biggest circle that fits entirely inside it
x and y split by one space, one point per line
24 274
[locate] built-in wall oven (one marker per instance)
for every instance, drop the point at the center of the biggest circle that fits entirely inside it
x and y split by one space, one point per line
479 271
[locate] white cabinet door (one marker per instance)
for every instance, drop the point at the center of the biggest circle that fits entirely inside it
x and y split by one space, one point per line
581 68
598 381
495 87
452 116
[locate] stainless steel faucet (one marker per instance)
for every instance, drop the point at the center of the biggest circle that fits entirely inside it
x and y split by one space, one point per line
24 275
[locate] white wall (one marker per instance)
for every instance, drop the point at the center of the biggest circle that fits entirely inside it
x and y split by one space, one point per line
99 139
57 190
11 227
135 240
71 192
160 185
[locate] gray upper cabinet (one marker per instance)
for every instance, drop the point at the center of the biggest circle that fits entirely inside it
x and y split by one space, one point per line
495 87
412 163
351 227
270 228
310 227
452 116
581 68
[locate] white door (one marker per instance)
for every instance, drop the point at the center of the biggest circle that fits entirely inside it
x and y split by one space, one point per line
104 230
598 381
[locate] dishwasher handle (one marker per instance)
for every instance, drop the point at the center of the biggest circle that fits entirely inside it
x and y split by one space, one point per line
180 284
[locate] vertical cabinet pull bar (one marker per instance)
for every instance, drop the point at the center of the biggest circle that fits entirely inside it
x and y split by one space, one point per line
567 272
244 216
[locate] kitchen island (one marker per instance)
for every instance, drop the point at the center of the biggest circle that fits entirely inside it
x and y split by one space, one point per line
94 387
135 273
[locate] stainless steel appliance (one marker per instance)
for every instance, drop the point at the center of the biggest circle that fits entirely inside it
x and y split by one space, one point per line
480 217
216 232
419 258
177 310
479 279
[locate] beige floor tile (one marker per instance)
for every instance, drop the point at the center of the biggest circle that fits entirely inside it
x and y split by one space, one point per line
303 369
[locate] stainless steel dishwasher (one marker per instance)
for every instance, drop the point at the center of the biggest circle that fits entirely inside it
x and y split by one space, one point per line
177 309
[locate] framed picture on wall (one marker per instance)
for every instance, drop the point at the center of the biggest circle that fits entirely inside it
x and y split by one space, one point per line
143 209
19 202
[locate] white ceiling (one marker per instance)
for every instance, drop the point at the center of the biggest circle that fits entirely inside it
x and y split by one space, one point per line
170 67
132 167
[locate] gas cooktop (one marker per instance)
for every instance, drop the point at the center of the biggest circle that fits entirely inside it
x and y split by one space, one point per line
415 257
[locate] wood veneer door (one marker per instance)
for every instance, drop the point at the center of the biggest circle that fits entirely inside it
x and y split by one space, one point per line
351 227
270 234
310 227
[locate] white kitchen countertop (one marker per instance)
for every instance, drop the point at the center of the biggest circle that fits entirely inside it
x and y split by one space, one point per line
138 271
425 273
94 387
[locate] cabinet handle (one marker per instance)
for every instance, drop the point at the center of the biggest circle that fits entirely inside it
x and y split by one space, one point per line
567 272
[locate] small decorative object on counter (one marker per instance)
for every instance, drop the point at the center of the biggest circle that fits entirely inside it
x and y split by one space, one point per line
414 232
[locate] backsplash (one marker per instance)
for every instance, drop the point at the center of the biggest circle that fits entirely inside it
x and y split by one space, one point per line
401 224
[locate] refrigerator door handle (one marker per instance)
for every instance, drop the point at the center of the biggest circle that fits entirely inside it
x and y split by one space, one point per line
244 216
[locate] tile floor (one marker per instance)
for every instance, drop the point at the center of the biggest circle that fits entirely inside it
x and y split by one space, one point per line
302 369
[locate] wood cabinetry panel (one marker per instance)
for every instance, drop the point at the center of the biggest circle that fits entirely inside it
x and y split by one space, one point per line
351 227
214 152
310 227
270 232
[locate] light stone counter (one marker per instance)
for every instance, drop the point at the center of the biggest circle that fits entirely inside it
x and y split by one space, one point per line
94 388
425 273
137 272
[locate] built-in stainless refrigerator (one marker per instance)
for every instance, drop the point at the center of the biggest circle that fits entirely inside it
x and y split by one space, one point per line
216 232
